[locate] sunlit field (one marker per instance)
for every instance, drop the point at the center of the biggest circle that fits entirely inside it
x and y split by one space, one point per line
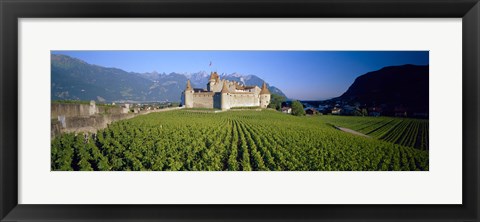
245 141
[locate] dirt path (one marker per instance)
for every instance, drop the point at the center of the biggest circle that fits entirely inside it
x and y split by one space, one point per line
351 131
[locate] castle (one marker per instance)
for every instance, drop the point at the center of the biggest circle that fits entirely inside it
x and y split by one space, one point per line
224 94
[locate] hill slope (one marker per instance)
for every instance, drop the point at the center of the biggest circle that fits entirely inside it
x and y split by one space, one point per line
74 79
405 85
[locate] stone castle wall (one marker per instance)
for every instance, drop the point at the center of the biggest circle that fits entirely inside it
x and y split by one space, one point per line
111 110
211 100
69 110
203 100
243 99
94 122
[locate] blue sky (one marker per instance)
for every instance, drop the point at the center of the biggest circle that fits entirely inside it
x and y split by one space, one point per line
307 75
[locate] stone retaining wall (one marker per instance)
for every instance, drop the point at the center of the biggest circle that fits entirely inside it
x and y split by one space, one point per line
92 123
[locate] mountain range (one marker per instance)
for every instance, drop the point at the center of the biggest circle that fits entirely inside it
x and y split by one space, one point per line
74 79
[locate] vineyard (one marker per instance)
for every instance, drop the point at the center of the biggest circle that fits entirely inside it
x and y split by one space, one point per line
241 141
403 131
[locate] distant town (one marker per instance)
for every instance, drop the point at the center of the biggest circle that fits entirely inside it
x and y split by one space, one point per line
338 107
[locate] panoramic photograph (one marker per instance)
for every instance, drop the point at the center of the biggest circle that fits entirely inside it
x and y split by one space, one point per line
212 110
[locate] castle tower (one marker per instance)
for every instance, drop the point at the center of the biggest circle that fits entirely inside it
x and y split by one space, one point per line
264 96
224 97
213 79
188 95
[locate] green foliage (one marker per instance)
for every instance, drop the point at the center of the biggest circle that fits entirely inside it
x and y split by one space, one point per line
360 112
364 112
297 108
234 141
276 101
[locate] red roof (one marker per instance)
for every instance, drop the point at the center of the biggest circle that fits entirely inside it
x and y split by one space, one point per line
189 86
224 88
264 89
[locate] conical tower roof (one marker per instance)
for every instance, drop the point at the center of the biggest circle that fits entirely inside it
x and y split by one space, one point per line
264 89
224 88
214 76
189 86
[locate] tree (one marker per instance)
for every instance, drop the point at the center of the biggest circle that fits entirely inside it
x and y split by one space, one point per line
297 108
276 102
364 112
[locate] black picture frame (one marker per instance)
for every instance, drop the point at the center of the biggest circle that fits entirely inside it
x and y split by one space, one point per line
11 11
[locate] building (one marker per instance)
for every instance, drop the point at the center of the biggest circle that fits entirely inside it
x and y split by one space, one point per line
287 110
336 111
311 111
224 94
